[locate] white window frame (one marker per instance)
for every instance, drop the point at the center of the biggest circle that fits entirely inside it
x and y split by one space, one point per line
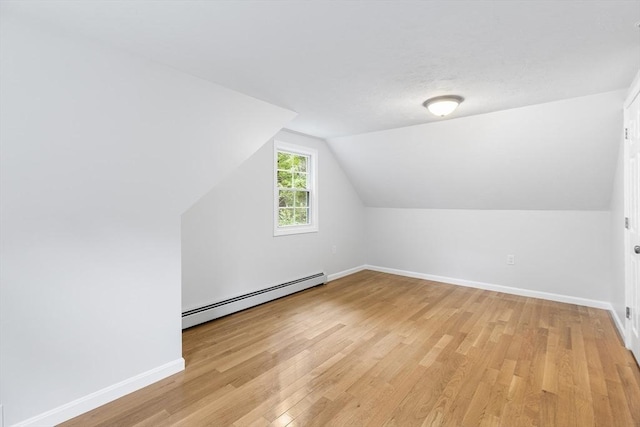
312 227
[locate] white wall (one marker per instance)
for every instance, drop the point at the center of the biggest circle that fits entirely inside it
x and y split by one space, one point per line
101 153
555 156
561 252
228 247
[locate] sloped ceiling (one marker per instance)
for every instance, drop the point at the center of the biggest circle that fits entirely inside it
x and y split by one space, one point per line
554 156
196 134
361 66
539 128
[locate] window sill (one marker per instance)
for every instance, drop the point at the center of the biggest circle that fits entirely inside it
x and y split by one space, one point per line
288 231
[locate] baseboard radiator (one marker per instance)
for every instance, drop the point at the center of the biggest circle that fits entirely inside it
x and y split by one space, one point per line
213 311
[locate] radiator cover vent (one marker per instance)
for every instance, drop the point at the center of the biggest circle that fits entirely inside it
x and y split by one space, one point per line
222 308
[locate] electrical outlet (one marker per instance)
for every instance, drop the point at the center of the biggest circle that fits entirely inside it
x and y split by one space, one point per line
511 259
334 249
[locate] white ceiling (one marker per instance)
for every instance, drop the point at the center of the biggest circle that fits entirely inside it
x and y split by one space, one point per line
361 66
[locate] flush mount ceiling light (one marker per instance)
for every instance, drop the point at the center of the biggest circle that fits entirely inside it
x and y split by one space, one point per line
443 105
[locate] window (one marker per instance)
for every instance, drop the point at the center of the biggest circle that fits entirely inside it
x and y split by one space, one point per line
296 206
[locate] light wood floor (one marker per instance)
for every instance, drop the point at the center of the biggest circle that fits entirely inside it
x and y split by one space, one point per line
377 349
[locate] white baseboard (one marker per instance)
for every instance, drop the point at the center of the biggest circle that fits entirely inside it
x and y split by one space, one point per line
497 288
620 325
345 273
101 397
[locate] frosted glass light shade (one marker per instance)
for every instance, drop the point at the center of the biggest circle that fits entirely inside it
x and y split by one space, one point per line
443 105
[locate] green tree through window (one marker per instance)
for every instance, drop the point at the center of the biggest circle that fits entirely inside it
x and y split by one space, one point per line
293 189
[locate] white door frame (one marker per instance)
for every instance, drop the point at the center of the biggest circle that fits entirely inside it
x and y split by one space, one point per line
634 92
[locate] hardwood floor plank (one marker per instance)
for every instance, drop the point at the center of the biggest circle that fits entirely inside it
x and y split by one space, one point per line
376 349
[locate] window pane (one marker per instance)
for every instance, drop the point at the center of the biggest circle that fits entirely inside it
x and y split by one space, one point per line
301 199
286 198
284 179
285 160
300 180
300 163
285 216
301 216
